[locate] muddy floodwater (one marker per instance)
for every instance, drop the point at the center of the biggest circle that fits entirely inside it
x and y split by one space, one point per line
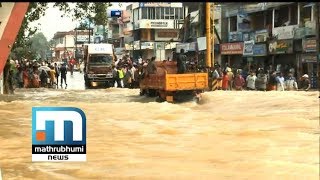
231 135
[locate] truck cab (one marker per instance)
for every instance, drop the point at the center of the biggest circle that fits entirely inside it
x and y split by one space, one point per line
98 62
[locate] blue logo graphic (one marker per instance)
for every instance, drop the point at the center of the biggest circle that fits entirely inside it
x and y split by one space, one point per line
58 130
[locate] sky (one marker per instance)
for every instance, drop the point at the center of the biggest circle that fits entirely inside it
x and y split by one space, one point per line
52 22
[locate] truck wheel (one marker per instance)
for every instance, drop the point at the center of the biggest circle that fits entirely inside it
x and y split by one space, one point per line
160 99
142 92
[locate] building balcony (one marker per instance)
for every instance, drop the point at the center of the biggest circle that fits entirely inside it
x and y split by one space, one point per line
285 32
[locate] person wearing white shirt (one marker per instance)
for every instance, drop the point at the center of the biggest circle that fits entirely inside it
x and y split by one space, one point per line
280 82
140 60
251 81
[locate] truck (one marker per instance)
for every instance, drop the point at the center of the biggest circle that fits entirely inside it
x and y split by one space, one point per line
98 62
169 86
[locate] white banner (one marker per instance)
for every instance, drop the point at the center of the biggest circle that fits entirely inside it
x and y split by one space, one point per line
285 32
50 157
156 24
184 46
147 45
202 43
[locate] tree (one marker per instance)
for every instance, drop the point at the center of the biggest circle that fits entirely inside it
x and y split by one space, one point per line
39 45
95 12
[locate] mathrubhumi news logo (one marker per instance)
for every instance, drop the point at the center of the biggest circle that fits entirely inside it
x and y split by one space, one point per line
58 134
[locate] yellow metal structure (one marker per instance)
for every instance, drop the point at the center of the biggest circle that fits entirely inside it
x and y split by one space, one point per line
212 33
208 35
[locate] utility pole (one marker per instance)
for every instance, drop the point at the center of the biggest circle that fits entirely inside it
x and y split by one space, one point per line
208 35
89 32
212 32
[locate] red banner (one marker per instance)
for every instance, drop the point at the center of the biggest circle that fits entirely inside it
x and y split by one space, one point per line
231 48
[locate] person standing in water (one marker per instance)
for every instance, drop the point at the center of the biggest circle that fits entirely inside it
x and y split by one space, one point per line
63 71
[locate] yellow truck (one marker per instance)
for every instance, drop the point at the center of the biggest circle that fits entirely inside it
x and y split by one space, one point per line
170 86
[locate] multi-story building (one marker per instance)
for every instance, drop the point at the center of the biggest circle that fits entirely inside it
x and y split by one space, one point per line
278 36
69 44
155 29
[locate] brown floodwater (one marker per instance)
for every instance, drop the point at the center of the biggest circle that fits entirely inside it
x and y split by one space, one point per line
230 135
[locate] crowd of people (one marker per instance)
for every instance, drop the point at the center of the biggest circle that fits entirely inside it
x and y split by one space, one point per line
32 74
127 73
256 79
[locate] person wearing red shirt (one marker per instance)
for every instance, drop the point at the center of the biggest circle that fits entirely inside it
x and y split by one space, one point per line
225 81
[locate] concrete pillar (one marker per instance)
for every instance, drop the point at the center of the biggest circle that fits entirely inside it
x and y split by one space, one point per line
1 87
298 12
273 14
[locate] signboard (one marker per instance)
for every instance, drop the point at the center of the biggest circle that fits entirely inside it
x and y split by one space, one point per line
184 46
231 48
235 36
202 43
160 45
309 45
281 47
261 36
166 35
154 4
116 13
100 48
309 58
259 50
243 22
248 48
136 45
84 38
248 36
147 45
285 32
156 24
193 46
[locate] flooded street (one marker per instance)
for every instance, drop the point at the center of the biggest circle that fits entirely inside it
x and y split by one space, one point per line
231 135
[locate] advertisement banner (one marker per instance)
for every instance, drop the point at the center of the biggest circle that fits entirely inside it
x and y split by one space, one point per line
248 48
147 45
309 45
235 36
261 36
166 35
284 46
260 50
309 58
243 20
285 32
281 47
248 36
231 48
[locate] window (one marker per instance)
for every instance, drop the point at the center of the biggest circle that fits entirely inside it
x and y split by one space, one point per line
100 59
233 24
157 13
166 13
151 13
162 13
61 40
171 13
182 13
281 16
135 15
305 12
177 13
144 12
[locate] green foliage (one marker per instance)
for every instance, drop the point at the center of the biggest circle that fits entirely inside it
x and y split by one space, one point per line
95 12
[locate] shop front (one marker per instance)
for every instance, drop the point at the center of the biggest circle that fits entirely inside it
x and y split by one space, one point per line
309 60
232 54
282 56
255 55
